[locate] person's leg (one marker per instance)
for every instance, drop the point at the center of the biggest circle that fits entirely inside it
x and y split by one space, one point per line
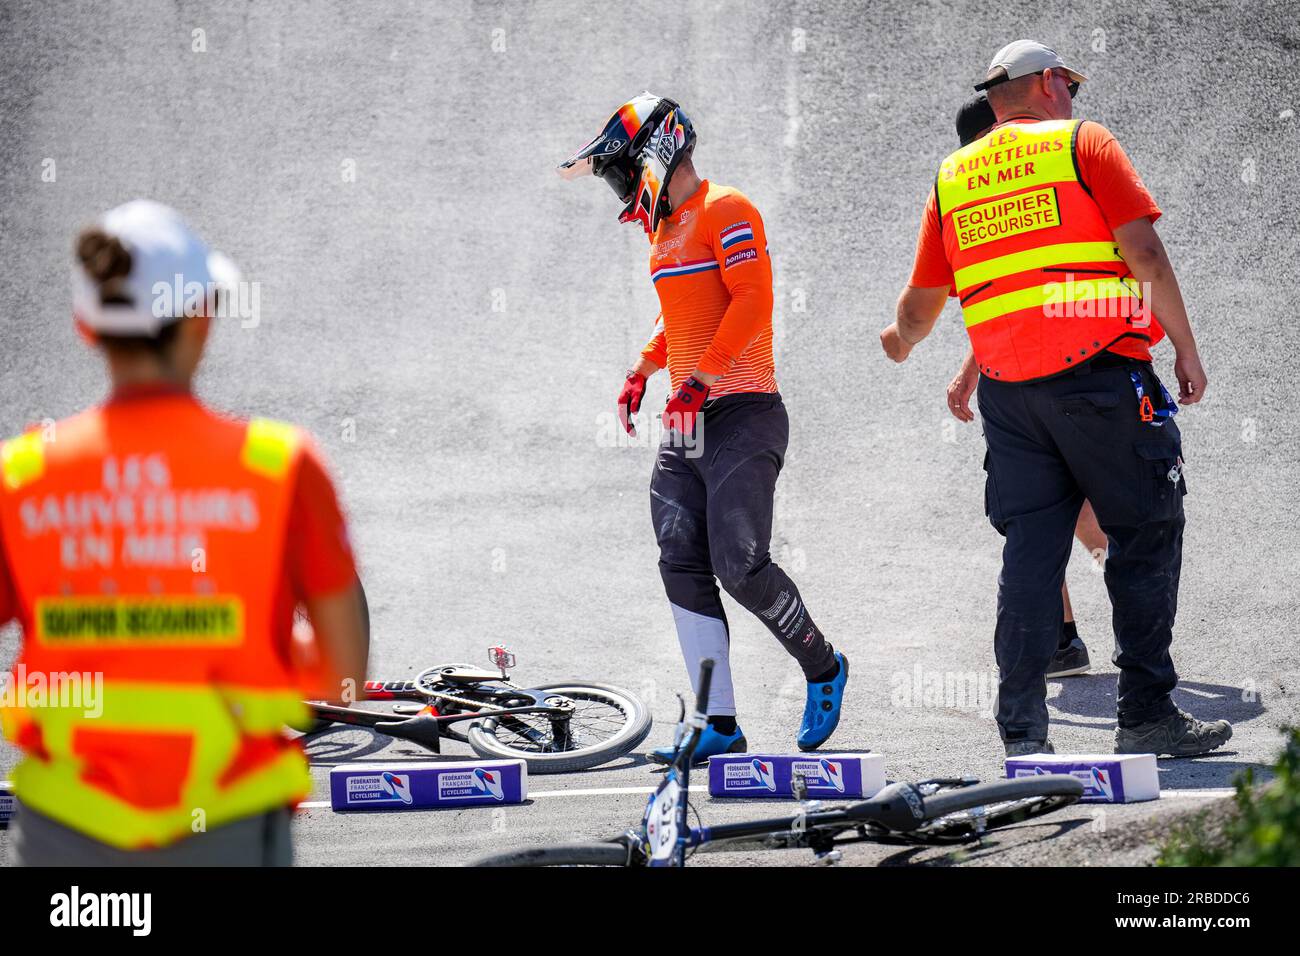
677 507
1032 499
1093 538
1124 465
1090 535
1142 576
741 473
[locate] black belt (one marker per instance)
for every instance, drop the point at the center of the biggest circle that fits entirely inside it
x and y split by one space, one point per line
1105 360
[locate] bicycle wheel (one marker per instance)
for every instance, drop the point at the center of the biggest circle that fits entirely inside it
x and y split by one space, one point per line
572 854
963 813
607 723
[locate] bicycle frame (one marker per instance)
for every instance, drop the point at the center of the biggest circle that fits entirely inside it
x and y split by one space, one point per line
665 834
428 724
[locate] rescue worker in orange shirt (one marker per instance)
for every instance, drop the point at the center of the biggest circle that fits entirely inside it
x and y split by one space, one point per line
1046 232
712 489
155 550
975 119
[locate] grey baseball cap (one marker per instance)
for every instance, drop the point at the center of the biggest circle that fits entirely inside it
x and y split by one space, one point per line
1022 58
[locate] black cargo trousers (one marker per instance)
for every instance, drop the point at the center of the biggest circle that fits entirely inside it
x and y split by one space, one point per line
1051 444
711 502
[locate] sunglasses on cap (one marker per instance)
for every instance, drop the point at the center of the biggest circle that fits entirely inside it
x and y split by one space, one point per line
1071 85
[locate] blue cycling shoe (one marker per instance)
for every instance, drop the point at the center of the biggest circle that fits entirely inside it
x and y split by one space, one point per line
821 714
712 744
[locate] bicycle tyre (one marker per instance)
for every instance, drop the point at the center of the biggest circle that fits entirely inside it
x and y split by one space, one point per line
571 854
482 733
1006 802
1001 791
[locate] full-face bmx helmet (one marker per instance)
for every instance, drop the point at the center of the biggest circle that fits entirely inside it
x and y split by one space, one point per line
637 153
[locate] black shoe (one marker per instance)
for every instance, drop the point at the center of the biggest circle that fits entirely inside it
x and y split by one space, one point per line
1023 748
1178 735
1069 661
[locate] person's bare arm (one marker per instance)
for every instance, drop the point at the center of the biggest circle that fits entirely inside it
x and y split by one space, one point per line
645 367
342 631
918 310
962 387
1149 262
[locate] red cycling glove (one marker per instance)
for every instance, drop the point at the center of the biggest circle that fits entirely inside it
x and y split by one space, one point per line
629 400
685 404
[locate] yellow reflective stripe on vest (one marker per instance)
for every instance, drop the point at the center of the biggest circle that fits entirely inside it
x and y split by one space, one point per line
269 447
1061 254
213 717
215 714
56 790
1052 294
980 171
22 460
265 711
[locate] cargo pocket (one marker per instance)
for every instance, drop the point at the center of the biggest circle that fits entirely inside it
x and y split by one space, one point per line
1162 483
992 507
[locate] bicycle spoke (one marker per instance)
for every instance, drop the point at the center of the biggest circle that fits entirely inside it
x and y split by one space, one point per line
590 723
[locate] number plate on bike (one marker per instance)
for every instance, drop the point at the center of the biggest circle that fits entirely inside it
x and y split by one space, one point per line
661 823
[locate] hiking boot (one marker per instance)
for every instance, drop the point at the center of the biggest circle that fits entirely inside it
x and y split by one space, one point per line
1178 735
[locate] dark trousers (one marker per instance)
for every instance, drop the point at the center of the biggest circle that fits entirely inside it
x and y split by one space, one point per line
712 511
261 840
1052 444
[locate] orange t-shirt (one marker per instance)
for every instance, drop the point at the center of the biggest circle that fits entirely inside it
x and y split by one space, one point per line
710 265
318 557
1117 189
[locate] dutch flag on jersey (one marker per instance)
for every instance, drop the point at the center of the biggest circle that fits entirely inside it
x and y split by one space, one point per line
683 269
739 232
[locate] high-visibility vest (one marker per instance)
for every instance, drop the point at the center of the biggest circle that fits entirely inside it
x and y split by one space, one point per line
146 546
1041 282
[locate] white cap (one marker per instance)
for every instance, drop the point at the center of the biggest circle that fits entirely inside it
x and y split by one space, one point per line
173 272
1023 58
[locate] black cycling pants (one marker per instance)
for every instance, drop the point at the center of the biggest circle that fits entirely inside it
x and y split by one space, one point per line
711 502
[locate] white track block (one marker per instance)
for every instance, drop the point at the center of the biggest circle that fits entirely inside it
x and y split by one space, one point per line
1106 778
829 776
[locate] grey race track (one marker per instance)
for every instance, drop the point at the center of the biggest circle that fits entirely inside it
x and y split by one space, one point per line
453 325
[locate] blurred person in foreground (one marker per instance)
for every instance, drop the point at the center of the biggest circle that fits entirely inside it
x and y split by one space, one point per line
154 552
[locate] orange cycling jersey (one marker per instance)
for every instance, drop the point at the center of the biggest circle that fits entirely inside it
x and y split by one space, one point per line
710 265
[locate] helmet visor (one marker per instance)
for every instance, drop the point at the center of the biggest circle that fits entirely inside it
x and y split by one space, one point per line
614 144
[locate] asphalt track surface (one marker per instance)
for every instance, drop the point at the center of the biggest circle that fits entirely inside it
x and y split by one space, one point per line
453 325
